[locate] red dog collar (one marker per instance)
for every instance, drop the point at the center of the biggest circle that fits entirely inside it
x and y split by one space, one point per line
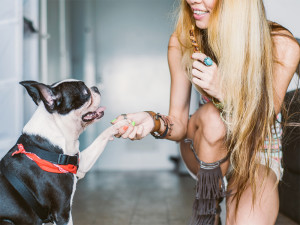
46 165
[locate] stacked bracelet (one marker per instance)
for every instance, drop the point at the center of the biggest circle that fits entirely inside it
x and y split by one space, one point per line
157 124
156 121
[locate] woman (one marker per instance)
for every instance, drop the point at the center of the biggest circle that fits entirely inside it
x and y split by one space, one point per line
243 71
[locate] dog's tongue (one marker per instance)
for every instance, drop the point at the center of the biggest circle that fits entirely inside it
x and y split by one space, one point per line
98 114
101 109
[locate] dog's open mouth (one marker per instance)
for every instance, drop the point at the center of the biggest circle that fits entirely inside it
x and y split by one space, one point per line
90 116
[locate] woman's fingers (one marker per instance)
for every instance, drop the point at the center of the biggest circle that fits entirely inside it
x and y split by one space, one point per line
129 129
121 131
121 126
141 124
119 118
201 71
198 74
205 73
200 83
201 57
200 66
132 134
139 132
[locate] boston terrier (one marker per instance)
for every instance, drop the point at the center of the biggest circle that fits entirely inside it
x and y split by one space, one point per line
39 173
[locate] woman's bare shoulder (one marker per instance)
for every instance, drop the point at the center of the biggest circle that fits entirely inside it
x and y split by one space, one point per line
286 47
174 42
174 50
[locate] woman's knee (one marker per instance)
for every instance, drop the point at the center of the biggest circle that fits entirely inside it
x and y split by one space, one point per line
212 126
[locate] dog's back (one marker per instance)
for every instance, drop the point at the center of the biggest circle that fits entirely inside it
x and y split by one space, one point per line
9 214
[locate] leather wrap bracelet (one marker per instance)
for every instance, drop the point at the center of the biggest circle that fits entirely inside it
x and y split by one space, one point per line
157 124
156 121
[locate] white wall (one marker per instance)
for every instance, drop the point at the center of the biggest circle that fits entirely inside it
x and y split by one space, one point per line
11 104
286 13
131 41
30 53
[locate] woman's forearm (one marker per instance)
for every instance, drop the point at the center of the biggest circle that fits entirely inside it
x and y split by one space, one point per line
177 128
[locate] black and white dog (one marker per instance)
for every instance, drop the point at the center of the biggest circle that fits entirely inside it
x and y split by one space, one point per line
38 175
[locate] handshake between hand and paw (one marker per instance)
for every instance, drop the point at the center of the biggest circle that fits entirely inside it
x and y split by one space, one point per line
140 124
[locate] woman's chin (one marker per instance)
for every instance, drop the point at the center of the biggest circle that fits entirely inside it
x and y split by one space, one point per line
201 24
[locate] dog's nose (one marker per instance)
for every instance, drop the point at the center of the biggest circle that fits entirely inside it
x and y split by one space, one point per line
95 89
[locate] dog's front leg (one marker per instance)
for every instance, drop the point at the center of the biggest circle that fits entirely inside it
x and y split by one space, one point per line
89 156
70 220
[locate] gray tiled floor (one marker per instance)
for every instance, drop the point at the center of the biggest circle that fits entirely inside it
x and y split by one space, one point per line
136 198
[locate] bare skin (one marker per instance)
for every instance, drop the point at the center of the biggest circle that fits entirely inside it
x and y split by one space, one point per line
206 128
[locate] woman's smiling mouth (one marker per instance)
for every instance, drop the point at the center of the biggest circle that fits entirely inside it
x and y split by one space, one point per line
199 14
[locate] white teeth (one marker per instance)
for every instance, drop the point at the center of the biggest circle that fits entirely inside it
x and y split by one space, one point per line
199 12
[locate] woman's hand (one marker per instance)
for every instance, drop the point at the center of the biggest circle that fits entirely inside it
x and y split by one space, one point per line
206 77
141 125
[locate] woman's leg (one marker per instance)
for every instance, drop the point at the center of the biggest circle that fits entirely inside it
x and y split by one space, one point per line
207 130
265 209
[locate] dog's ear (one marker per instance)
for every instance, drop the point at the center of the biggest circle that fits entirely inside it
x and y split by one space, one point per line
41 92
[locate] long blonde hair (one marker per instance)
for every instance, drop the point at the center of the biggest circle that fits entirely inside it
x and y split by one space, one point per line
239 40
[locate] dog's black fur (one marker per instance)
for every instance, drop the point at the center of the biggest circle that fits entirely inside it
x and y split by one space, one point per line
52 190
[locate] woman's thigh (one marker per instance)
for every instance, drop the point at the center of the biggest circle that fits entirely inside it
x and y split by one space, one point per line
265 209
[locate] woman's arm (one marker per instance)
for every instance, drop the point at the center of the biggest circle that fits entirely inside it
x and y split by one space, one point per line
180 91
286 60
179 102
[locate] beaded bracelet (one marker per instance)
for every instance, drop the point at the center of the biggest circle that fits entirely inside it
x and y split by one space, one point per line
219 105
168 124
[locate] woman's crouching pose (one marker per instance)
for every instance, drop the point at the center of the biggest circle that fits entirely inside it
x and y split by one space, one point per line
207 130
242 65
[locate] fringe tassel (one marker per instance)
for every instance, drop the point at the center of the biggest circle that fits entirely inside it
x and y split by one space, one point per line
208 192
204 219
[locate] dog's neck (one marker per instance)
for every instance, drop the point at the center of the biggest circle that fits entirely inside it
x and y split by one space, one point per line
59 130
